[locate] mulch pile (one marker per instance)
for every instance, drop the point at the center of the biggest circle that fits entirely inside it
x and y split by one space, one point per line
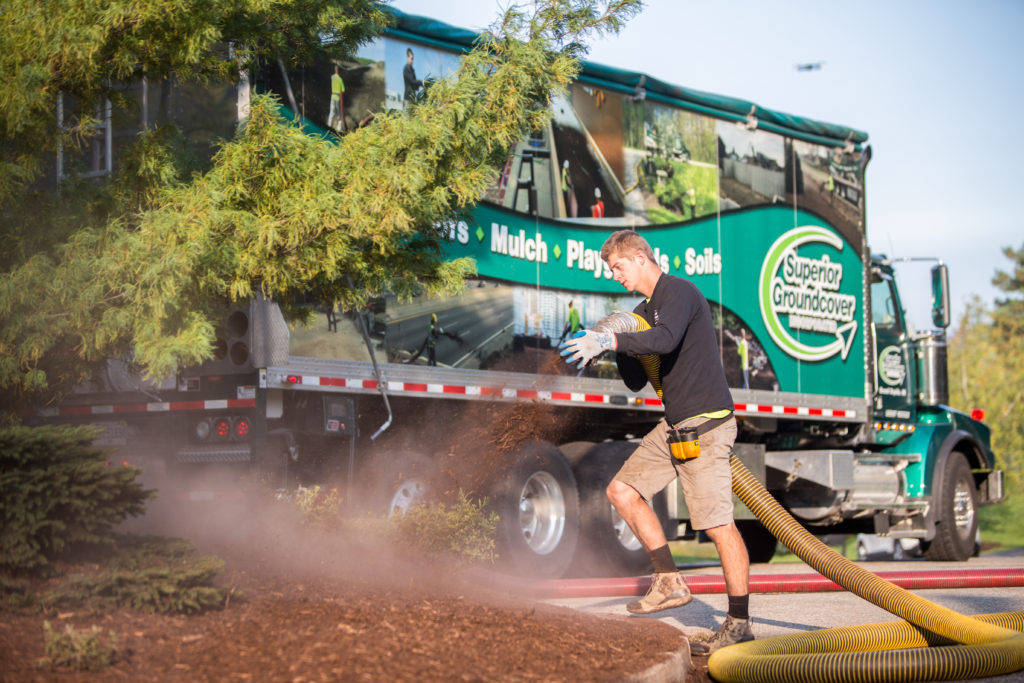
285 630
302 609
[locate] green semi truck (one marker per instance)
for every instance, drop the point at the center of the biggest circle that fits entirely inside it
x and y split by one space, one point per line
841 403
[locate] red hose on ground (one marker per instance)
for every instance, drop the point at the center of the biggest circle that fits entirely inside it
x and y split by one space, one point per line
779 583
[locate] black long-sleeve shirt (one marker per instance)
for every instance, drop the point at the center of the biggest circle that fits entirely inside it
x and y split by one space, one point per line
682 334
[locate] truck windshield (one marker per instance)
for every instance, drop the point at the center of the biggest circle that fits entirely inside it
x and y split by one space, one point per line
883 303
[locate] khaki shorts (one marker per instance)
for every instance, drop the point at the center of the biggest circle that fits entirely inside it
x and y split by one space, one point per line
706 480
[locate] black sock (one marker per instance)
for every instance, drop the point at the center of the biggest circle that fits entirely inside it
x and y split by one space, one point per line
739 606
662 560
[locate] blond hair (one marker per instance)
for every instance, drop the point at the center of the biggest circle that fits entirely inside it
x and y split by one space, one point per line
626 242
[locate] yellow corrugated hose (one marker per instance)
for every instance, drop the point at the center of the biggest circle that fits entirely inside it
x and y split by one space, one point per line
937 644
631 322
933 644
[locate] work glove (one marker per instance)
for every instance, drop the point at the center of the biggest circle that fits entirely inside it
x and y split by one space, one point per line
585 346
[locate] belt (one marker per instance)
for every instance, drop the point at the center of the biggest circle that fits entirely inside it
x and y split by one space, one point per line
711 423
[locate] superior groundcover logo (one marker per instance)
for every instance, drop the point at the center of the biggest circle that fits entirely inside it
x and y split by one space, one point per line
801 293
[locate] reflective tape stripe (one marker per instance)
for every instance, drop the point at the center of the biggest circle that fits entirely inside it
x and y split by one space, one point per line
563 396
794 410
156 407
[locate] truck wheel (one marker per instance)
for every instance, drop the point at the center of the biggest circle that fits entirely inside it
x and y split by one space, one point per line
607 545
405 493
760 542
400 483
956 521
538 512
574 451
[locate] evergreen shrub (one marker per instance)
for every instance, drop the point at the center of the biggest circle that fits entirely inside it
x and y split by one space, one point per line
57 491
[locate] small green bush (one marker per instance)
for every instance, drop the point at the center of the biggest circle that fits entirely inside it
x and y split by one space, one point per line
57 491
320 508
148 574
15 593
79 650
464 529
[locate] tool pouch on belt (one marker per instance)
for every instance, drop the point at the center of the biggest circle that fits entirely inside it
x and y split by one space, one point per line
684 442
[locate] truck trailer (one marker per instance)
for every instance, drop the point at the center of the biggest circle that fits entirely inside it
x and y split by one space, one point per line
841 402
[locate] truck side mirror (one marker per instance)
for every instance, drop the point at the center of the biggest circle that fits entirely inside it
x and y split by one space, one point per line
940 295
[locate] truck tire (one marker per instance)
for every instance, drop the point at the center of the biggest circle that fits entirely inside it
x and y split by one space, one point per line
538 512
399 483
607 545
574 451
956 510
760 542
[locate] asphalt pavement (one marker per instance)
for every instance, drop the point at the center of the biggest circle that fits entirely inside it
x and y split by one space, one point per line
775 614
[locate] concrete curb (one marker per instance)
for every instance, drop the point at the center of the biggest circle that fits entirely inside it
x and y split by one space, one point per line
672 670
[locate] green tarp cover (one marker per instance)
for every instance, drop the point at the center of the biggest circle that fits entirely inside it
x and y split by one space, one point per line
439 34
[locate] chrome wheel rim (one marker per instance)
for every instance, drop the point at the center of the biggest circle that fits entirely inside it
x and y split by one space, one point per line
542 513
408 495
963 508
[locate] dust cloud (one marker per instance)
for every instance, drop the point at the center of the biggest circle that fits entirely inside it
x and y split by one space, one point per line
248 518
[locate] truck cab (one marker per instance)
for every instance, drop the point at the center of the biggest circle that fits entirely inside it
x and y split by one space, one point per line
947 453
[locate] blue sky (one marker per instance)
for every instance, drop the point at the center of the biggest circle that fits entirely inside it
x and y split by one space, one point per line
938 86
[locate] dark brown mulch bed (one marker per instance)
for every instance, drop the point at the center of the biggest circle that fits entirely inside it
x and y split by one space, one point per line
303 609
285 630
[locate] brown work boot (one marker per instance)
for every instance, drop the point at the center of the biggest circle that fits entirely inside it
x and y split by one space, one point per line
668 590
733 631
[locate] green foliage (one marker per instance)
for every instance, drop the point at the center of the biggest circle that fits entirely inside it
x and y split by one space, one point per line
633 114
464 529
673 193
159 160
656 214
677 131
1003 525
78 650
58 307
150 575
319 508
57 491
15 593
85 49
1011 282
986 369
1008 316
278 213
